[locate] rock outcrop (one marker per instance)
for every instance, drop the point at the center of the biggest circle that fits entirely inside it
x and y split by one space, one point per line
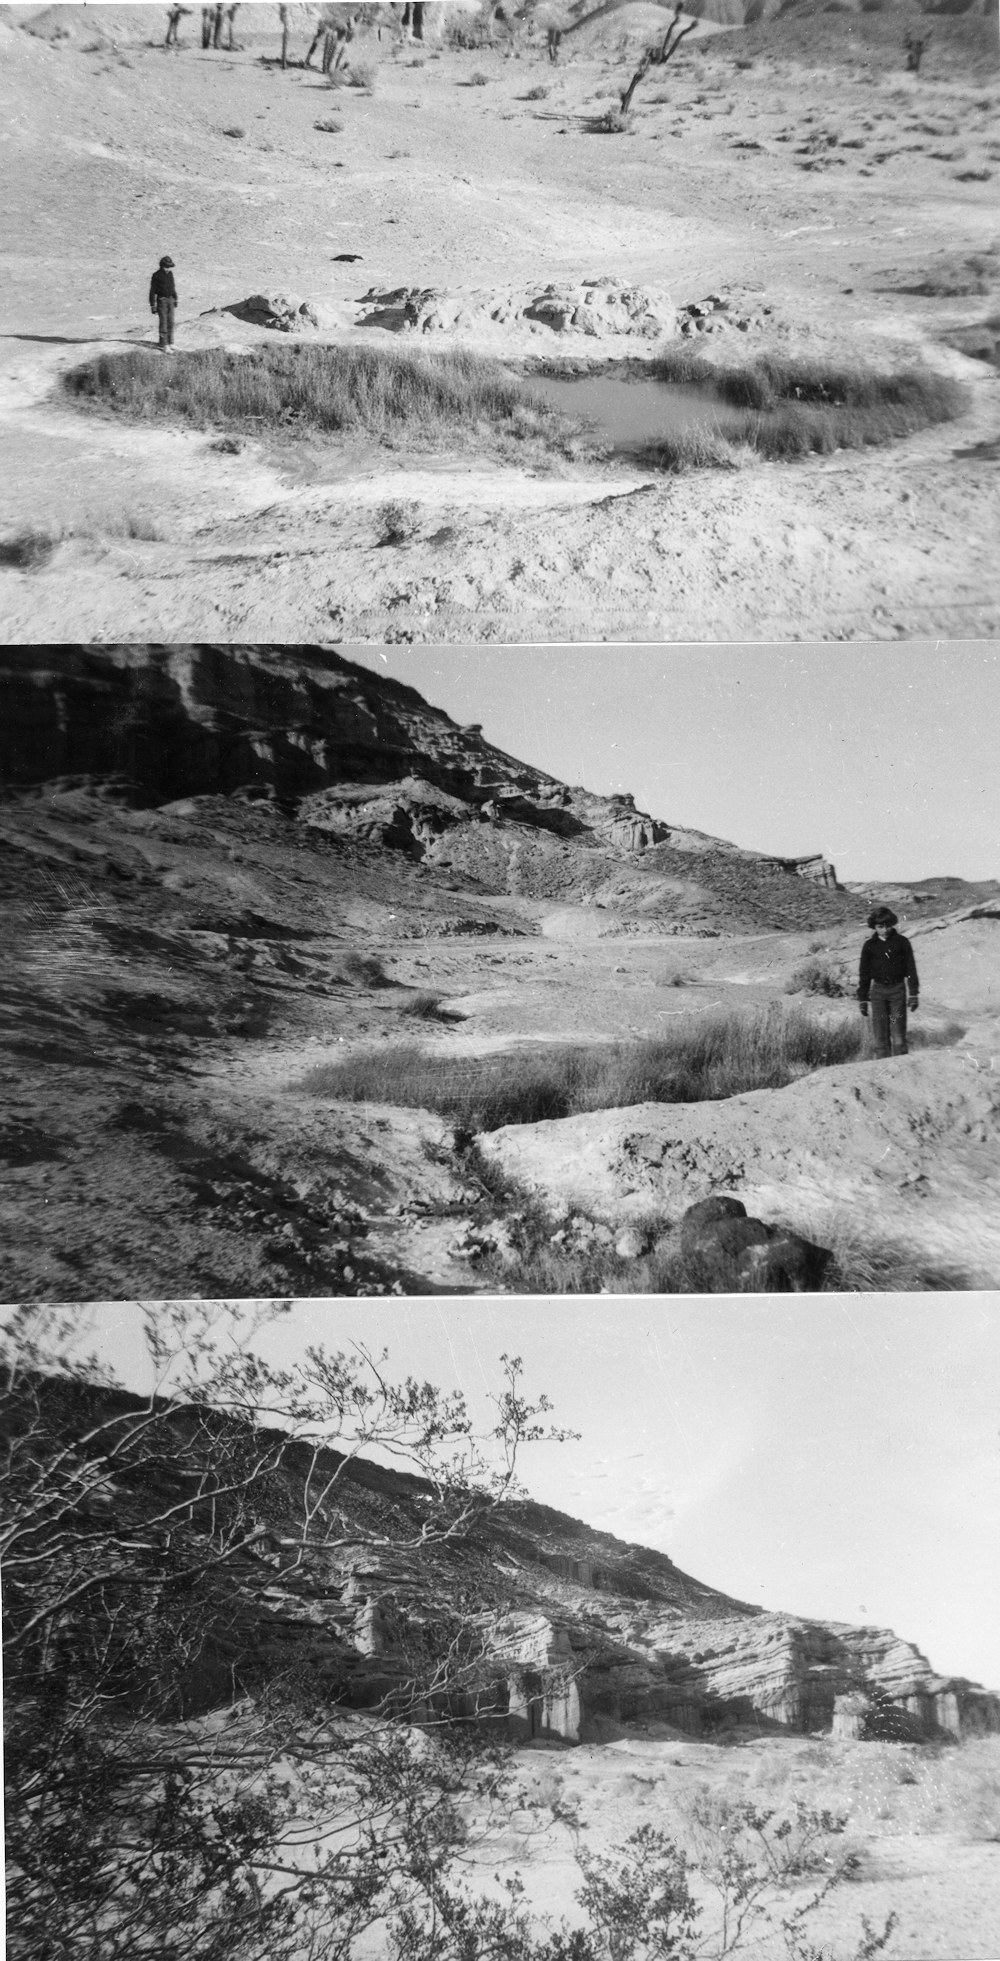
583 1635
595 309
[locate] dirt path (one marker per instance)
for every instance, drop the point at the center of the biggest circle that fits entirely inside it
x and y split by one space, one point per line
472 190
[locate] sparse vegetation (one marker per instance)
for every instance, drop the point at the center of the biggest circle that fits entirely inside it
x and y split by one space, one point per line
28 550
383 391
396 522
792 408
425 1006
819 977
363 970
360 75
614 121
705 1057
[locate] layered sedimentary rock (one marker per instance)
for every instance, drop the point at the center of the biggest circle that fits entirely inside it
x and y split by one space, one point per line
579 1634
340 748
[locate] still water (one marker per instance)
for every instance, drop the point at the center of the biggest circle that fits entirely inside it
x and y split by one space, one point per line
631 413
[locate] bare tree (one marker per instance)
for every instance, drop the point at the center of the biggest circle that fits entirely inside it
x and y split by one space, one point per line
144 1541
655 56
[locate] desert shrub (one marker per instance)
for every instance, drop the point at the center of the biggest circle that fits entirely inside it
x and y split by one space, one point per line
329 126
227 446
28 550
363 75
364 970
704 1057
538 94
613 122
397 522
477 80
425 1006
383 391
818 977
960 278
235 131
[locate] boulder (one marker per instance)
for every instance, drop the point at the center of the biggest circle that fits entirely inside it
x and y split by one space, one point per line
276 311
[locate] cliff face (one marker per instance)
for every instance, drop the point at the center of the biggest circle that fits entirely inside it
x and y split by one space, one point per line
583 1635
345 750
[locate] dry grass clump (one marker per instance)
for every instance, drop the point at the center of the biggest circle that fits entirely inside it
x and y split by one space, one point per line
306 388
704 1058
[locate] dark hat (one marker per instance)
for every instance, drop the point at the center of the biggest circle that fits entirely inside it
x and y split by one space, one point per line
166 262
882 916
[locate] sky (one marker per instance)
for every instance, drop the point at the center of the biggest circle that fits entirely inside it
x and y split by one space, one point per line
882 757
834 1458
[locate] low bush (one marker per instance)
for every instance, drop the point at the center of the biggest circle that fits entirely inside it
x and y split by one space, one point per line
362 75
363 970
818 977
477 80
705 1057
613 122
424 1006
397 522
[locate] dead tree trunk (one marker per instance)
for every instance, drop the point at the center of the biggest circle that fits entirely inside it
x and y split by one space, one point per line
283 17
655 57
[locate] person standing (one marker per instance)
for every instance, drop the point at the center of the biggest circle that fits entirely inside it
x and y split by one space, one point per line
174 17
163 302
207 16
218 18
887 982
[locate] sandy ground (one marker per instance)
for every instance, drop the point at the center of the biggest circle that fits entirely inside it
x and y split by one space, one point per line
744 182
916 1859
927 1852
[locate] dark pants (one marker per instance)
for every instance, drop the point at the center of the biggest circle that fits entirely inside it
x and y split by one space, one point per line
165 315
888 1011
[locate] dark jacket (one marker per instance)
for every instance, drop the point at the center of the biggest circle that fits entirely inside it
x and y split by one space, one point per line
161 286
888 962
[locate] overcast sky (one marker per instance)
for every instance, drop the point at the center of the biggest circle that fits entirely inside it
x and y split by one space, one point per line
838 1459
883 757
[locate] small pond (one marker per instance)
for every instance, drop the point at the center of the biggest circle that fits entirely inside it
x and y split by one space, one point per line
632 412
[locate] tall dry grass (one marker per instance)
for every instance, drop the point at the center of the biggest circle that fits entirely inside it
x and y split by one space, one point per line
384 391
705 1057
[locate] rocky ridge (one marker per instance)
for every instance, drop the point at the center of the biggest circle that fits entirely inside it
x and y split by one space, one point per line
346 751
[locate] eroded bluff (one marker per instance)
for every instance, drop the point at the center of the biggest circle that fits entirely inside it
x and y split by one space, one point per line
344 750
581 1635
